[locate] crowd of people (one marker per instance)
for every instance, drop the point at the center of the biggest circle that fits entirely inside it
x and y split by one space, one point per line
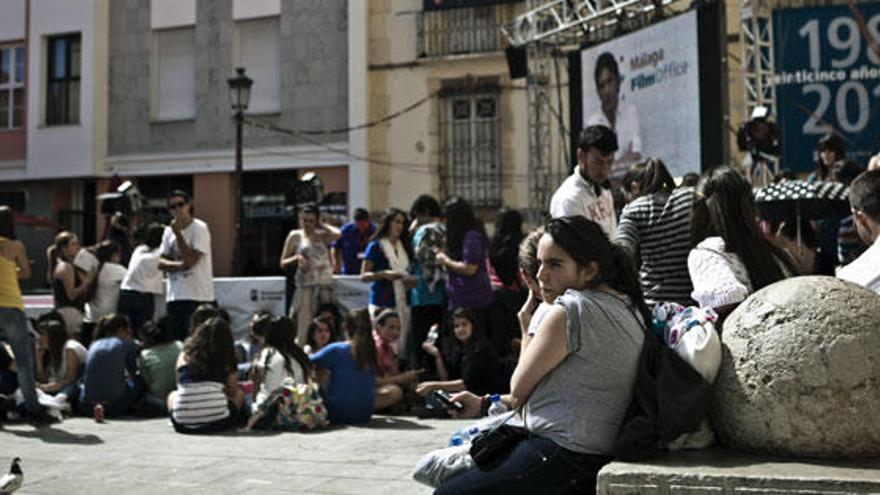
553 320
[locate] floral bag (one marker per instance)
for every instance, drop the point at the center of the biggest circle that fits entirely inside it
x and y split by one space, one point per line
291 407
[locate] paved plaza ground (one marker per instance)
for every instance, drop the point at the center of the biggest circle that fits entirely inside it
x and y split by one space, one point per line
147 457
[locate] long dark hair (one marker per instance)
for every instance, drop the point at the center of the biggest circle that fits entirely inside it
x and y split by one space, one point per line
477 340
7 222
210 348
655 177
385 228
56 334
586 242
313 329
831 142
460 219
725 207
504 245
360 332
281 335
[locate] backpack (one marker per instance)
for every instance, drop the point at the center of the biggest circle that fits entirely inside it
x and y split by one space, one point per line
670 398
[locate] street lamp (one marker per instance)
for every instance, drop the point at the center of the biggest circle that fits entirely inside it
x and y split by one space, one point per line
239 96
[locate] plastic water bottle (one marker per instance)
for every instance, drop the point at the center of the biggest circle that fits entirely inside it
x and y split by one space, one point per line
464 436
433 333
496 407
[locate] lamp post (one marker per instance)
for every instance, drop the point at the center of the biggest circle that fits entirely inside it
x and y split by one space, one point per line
239 96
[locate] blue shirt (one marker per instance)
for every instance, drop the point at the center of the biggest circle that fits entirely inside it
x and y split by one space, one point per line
351 243
108 359
381 291
351 395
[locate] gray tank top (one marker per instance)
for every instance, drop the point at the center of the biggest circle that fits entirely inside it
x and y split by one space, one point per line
582 402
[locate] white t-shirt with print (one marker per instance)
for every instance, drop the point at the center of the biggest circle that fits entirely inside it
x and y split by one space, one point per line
578 197
197 283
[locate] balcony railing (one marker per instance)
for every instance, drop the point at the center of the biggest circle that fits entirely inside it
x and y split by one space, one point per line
459 31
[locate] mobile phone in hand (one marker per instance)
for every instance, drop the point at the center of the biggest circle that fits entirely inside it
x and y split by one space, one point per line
444 398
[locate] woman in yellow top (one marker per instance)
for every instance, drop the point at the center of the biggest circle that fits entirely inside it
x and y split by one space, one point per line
14 265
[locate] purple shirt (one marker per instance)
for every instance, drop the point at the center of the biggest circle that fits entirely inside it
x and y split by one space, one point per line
474 292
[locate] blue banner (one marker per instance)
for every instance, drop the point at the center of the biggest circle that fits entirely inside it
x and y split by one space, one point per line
827 80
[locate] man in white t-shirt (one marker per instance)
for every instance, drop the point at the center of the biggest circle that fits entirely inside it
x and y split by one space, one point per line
186 259
585 192
864 199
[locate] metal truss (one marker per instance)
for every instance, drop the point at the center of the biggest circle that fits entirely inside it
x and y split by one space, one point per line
756 44
564 18
543 175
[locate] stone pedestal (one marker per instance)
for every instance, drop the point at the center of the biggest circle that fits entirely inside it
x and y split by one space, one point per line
719 471
800 374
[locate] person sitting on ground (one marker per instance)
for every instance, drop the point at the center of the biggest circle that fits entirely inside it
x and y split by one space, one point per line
731 258
655 229
143 280
247 351
473 364
350 392
507 288
280 359
103 294
205 312
390 381
864 199
320 334
330 313
156 363
60 360
111 374
576 375
208 397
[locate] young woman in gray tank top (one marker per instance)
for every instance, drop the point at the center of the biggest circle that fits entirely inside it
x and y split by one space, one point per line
575 376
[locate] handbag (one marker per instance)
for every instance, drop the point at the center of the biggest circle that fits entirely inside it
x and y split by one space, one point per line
291 407
492 447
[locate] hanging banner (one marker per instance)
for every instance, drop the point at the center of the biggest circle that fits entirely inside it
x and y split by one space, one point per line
827 80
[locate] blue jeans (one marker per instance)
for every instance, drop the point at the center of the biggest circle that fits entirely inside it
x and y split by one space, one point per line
14 326
536 465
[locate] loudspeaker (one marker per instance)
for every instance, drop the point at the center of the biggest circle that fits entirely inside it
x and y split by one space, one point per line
517 61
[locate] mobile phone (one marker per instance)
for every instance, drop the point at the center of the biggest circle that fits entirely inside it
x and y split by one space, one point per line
444 398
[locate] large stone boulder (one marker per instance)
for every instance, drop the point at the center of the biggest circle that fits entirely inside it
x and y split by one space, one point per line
800 372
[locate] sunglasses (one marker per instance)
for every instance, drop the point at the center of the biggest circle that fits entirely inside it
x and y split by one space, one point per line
174 206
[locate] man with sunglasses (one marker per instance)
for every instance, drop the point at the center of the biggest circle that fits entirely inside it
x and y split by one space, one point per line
186 259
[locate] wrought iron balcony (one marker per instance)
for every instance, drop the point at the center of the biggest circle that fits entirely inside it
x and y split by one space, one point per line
464 30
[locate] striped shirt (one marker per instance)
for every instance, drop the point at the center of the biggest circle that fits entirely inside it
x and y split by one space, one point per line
198 403
656 230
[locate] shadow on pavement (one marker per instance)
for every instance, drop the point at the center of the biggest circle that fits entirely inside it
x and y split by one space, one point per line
394 423
49 434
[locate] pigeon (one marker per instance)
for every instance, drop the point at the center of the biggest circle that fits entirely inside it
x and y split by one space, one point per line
12 480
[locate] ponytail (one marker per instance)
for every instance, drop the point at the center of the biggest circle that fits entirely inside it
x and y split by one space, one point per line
625 279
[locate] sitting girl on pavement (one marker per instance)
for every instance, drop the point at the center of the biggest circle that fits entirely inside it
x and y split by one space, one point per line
350 391
319 334
575 376
59 361
281 358
156 363
390 381
111 373
207 398
473 364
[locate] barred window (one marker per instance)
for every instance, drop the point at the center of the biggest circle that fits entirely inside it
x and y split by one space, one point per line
471 145
11 86
465 30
